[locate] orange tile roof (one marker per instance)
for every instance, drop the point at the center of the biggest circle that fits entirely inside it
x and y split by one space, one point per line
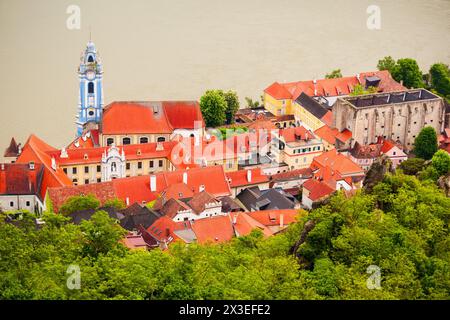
244 224
89 139
344 135
128 117
183 114
239 178
18 178
137 189
272 217
215 229
290 134
317 189
36 150
337 162
297 173
331 87
278 91
327 133
328 118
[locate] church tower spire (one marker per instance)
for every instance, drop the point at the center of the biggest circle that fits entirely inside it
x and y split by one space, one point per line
90 75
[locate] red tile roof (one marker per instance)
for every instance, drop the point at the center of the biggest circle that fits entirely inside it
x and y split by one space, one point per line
35 150
244 224
200 200
128 117
239 178
328 118
298 173
317 189
331 87
137 189
337 162
17 178
296 133
89 139
215 229
272 217
183 114
327 133
278 91
102 191
133 241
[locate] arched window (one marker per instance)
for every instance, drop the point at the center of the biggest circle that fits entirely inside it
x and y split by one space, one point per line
90 87
90 59
113 167
161 139
143 140
126 141
109 141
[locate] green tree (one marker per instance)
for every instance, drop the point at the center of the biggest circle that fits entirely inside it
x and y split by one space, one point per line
251 103
387 63
425 144
412 166
78 203
115 203
441 162
360 90
102 234
213 106
440 79
334 74
232 101
408 71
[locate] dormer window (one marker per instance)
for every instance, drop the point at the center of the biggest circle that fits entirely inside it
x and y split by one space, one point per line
90 59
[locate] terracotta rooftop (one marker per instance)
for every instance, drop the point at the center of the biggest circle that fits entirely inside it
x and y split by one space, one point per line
317 189
337 162
19 179
240 178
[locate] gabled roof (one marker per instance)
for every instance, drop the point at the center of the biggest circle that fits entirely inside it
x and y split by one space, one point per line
35 150
273 217
19 179
369 151
144 218
89 139
278 91
215 229
199 201
239 178
337 162
296 134
332 87
311 105
131 117
172 206
292 175
12 150
317 189
243 224
183 114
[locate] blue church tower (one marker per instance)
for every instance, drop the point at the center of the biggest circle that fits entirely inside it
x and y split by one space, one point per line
90 102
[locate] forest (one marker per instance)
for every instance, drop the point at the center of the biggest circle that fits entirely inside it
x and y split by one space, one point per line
400 225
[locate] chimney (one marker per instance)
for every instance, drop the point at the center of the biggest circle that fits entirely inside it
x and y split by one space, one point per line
357 77
53 163
3 167
127 201
281 220
185 177
249 175
196 140
201 188
64 153
153 183
235 218
31 165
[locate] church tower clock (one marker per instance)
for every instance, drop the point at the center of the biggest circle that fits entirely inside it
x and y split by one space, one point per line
90 101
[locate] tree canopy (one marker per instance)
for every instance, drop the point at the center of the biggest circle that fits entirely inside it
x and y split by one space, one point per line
334 74
213 106
400 227
425 144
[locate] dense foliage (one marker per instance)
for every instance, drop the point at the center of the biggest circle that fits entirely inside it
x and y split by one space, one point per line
213 106
426 144
334 74
400 227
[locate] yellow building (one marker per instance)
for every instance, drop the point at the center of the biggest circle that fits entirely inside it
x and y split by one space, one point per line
295 147
311 113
